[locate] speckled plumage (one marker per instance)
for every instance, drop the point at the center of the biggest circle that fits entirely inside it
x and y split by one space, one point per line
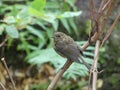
65 46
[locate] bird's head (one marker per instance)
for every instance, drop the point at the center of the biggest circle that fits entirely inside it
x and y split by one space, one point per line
59 36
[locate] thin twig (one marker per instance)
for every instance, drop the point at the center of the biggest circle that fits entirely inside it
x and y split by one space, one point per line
92 12
4 63
59 75
101 6
107 14
92 18
95 72
109 31
4 41
89 83
2 86
107 3
102 24
85 45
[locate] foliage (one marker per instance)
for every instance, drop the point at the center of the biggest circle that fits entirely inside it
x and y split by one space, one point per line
36 20
31 24
34 24
33 27
49 55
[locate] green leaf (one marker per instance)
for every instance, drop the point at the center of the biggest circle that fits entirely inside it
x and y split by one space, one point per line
91 48
36 13
37 8
24 44
23 14
88 53
38 4
49 17
65 24
81 42
88 60
69 14
41 24
50 34
73 25
9 43
12 31
55 24
43 56
35 32
9 19
71 2
76 69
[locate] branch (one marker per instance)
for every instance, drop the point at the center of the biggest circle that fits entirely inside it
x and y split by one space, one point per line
92 12
2 86
99 26
4 41
59 75
95 72
109 31
101 22
4 63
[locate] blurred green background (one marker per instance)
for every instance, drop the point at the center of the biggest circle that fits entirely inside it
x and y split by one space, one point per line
29 26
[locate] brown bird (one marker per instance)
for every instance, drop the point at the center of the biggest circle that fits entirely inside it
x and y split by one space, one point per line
65 46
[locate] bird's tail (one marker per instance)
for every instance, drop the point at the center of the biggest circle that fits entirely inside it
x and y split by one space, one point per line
85 63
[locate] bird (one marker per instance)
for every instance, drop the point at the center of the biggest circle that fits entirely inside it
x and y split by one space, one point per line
66 47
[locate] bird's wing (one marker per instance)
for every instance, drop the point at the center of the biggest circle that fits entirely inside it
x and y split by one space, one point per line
69 51
72 52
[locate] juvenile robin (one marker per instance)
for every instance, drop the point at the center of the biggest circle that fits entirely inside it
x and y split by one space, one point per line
65 46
